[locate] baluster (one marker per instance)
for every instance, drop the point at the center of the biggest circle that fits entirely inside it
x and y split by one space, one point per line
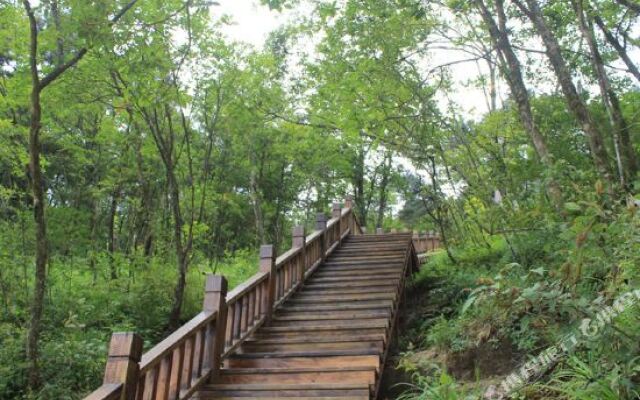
231 310
299 241
198 347
215 294
176 373
238 317
150 381
187 364
268 265
321 225
251 312
287 275
259 297
123 363
164 377
244 322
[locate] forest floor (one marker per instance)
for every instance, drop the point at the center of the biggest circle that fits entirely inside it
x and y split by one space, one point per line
427 299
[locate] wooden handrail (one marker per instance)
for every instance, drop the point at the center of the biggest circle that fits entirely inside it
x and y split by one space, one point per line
177 366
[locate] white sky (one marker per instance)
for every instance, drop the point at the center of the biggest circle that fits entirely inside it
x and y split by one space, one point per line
253 21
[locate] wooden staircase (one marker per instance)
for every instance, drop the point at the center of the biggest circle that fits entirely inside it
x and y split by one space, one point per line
312 323
329 340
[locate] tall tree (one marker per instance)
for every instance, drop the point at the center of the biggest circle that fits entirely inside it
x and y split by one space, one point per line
576 105
38 85
512 70
625 155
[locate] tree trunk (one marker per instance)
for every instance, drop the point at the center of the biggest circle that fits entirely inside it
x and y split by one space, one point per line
622 52
111 240
358 183
181 251
37 186
625 155
577 107
513 73
256 201
384 182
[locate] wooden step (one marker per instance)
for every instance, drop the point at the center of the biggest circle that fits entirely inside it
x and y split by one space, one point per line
353 336
372 361
333 391
317 298
324 315
279 331
352 283
360 264
357 277
342 306
349 375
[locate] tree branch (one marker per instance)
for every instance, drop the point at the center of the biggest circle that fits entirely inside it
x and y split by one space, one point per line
55 74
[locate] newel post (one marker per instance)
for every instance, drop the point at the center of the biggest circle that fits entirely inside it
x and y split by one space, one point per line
336 212
123 363
268 265
321 225
215 300
299 242
348 203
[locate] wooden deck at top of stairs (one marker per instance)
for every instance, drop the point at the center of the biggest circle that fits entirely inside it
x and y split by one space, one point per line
329 340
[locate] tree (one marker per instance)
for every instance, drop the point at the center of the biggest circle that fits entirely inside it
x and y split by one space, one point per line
577 106
512 70
38 85
625 155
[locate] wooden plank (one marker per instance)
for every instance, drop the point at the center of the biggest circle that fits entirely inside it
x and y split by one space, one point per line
304 362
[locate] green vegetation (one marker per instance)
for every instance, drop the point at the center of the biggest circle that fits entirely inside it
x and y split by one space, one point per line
140 148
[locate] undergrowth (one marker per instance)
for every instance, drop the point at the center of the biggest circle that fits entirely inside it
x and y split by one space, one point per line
510 300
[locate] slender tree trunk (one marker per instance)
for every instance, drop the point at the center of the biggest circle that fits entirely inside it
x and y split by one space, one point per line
111 240
37 187
384 182
622 52
256 201
577 107
181 252
513 73
93 233
625 155
358 183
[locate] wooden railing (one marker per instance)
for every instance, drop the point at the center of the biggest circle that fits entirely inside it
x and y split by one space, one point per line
175 368
426 242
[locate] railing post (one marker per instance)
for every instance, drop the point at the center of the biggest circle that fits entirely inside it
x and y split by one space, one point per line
348 202
416 241
123 363
337 213
351 220
268 265
321 225
299 241
215 300
379 231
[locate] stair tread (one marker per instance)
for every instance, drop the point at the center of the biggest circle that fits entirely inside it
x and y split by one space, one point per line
328 339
